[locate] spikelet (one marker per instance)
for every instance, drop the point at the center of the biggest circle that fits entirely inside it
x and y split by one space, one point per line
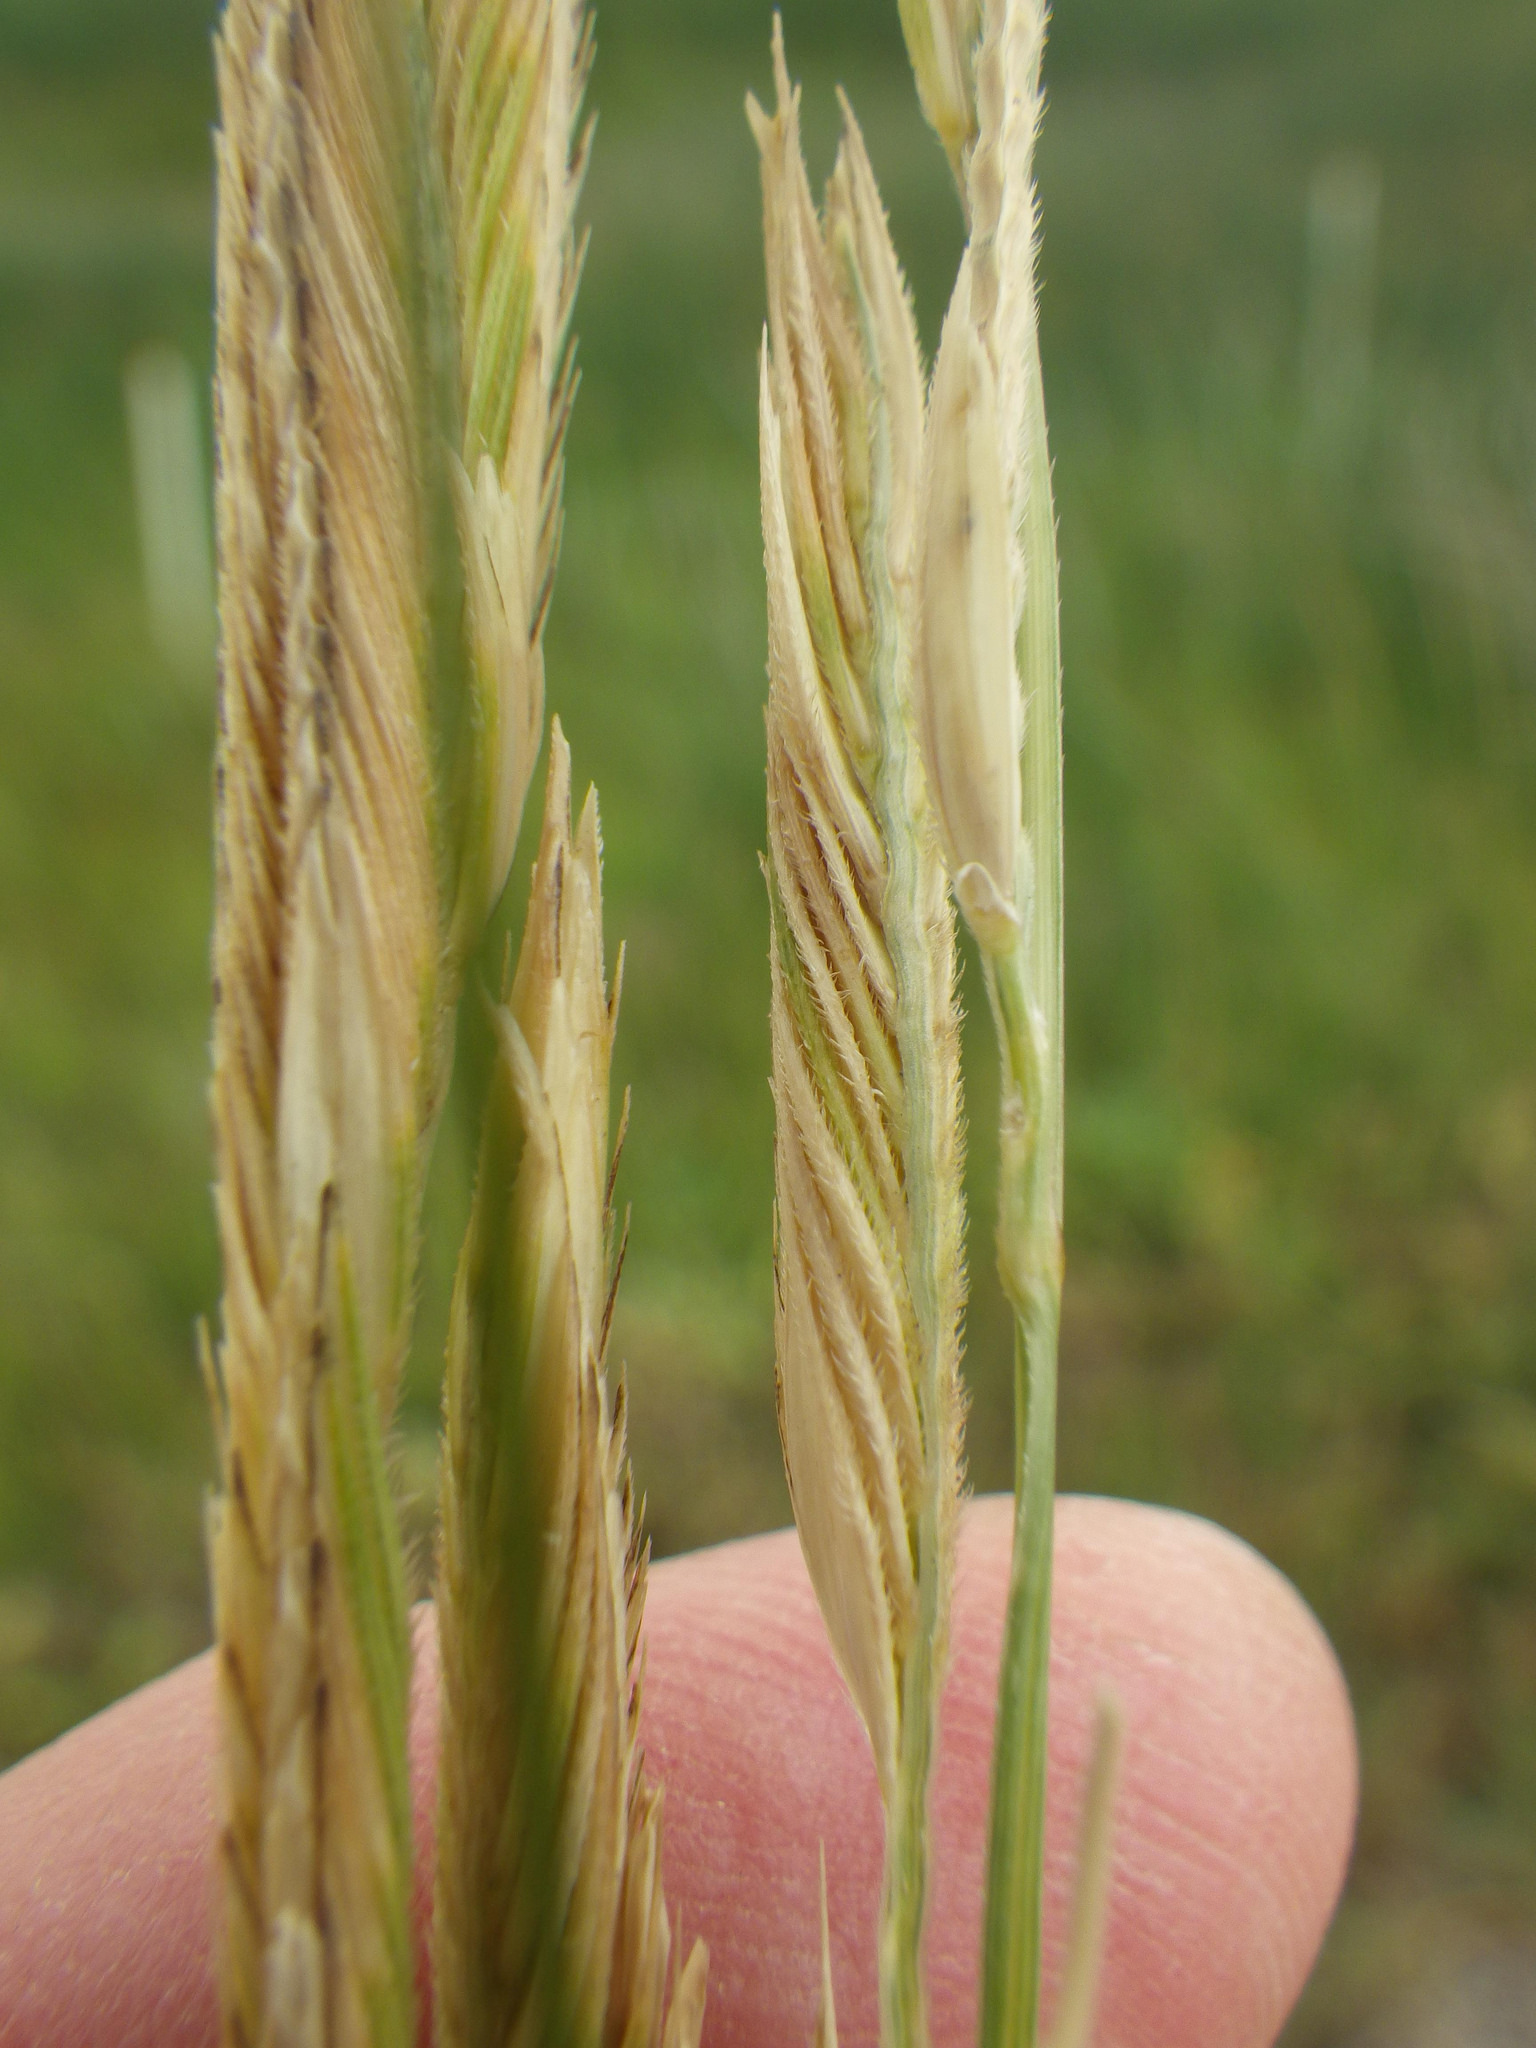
988 570
870 1278
509 77
969 706
1002 211
550 1920
324 948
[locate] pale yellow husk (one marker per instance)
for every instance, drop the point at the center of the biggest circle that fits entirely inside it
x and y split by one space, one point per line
969 706
550 1920
870 1270
326 938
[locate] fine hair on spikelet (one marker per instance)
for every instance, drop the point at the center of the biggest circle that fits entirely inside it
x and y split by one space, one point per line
870 1227
914 738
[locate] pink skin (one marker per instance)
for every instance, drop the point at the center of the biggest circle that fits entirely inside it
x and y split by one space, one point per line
1233 1825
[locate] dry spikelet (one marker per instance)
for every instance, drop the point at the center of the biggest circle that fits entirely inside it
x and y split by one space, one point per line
870 1277
986 491
1002 214
550 1920
509 77
1005 231
324 949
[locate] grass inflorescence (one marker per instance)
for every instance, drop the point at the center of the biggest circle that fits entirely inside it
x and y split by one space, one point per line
397 266
1299 1171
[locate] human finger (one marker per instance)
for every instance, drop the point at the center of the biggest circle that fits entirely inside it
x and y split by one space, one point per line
1232 1826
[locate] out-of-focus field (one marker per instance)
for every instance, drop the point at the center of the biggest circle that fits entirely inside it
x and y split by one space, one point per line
1290 344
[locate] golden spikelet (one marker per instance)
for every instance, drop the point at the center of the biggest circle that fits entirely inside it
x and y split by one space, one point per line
870 1273
550 1920
509 77
324 950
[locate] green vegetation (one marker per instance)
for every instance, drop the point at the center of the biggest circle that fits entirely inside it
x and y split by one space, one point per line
1300 644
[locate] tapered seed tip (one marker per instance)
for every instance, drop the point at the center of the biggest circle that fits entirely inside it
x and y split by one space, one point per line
789 95
776 42
559 756
589 830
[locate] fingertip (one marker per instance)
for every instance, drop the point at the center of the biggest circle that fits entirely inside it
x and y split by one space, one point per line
1232 1827
1240 1786
105 1879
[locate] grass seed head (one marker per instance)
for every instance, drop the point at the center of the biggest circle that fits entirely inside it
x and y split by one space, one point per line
551 1924
865 1050
325 946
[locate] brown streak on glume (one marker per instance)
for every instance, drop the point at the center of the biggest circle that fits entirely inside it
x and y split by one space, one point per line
559 893
877 999
241 1495
809 912
234 1677
302 206
237 1869
618 1150
613 1292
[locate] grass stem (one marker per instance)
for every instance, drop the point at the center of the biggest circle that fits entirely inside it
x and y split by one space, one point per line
1030 1259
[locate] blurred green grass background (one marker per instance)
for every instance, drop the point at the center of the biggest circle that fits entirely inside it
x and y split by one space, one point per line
1296 462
